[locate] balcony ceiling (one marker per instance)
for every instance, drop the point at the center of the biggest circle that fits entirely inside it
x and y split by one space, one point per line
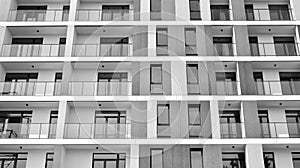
22 105
43 1
107 65
28 66
15 147
42 31
279 65
109 31
265 104
274 30
222 30
101 147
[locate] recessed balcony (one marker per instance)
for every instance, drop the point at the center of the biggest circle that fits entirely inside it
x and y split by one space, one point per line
280 130
104 15
277 87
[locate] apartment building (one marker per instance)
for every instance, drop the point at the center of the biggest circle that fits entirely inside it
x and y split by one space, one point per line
149 84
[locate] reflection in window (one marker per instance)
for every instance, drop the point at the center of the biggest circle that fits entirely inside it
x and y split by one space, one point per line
156 158
269 160
162 41
233 160
196 158
13 160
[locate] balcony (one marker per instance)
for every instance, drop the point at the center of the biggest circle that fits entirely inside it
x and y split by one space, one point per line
280 130
277 87
227 87
97 131
48 88
269 14
274 49
223 49
102 50
231 130
33 50
27 130
220 14
38 15
93 88
104 15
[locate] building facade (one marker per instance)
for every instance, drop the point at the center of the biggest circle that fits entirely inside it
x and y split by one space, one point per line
149 84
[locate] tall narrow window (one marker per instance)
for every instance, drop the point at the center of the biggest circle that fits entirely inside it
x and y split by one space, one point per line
249 12
296 159
192 79
195 13
155 9
163 120
196 159
230 124
190 42
194 120
162 41
223 46
269 160
156 79
109 160
156 158
66 11
49 160
254 48
13 160
279 12
289 83
219 12
53 117
114 46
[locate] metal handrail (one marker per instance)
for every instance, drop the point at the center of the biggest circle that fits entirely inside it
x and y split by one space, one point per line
274 49
38 15
99 14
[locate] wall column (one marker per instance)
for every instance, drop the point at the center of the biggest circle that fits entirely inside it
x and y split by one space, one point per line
179 12
134 156
254 156
215 121
295 5
67 77
74 4
212 156
241 40
151 119
6 6
145 10
205 10
59 160
238 8
63 111
252 125
178 78
151 41
247 83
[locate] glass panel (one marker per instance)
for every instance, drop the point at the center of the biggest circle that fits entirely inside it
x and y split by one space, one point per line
156 158
196 159
156 74
192 73
162 37
194 114
163 114
190 37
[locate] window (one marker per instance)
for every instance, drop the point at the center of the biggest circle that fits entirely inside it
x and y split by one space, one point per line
156 79
225 76
219 12
254 48
194 120
233 160
49 160
53 117
155 9
112 76
26 77
163 114
156 158
269 160
66 11
109 160
192 74
190 41
285 46
162 41
279 12
195 13
27 41
115 12
13 160
293 120
264 122
32 8
223 46
196 158
296 159
249 12
230 124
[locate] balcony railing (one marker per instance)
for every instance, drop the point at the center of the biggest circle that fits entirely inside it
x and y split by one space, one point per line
231 130
97 131
33 50
102 50
269 14
277 87
274 49
27 130
38 15
104 15
223 49
220 14
227 87
36 88
92 88
280 130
